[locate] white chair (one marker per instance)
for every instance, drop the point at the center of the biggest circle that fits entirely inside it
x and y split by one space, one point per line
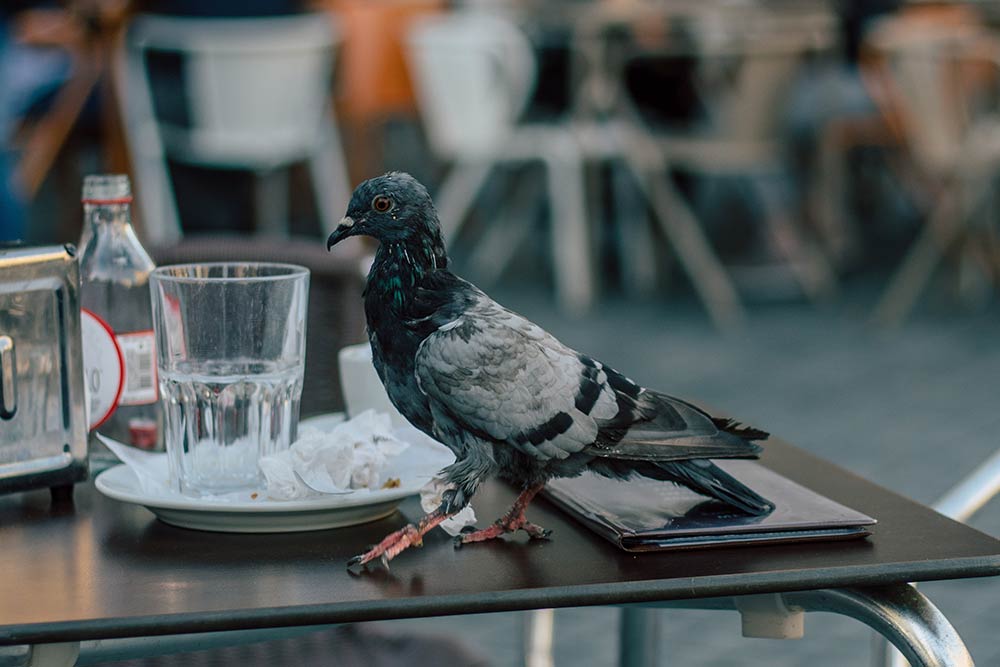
474 72
258 91
756 53
610 131
955 146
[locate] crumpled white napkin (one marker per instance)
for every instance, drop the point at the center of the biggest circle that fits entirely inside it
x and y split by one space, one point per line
150 468
431 498
351 456
348 458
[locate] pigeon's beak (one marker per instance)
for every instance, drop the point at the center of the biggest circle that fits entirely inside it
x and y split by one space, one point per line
343 230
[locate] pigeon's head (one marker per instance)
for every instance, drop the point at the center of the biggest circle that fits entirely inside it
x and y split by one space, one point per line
392 208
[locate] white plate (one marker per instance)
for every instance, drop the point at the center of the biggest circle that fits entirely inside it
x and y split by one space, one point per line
414 467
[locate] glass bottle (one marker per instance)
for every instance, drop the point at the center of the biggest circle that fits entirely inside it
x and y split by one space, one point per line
119 355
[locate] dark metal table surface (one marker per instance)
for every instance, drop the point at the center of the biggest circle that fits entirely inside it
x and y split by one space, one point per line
102 569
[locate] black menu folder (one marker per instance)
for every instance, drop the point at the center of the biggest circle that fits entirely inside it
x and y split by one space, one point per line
646 515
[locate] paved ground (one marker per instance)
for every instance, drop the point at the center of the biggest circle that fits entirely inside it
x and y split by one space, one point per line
913 410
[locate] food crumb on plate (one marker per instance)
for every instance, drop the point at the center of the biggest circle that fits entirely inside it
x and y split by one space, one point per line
391 483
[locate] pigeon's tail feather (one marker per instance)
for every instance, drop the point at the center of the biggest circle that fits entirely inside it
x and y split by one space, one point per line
708 479
735 428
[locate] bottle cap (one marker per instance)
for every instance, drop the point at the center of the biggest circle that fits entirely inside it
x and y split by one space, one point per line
107 189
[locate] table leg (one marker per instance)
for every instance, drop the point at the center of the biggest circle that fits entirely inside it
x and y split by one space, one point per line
640 635
898 612
901 614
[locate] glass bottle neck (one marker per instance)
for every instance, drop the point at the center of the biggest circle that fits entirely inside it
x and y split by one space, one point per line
106 223
113 214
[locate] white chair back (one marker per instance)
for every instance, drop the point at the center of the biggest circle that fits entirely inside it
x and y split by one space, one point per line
258 99
473 73
258 88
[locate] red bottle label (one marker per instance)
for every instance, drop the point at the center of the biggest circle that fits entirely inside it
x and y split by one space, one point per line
103 368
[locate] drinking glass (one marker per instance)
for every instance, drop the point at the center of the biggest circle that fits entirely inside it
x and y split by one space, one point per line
230 348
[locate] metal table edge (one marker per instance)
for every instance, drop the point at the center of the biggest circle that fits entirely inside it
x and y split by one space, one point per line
615 593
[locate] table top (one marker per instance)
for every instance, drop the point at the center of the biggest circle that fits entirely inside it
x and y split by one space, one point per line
99 568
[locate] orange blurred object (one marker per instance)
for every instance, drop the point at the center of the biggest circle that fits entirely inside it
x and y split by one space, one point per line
374 80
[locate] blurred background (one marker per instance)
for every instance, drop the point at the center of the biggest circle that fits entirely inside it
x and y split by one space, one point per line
787 210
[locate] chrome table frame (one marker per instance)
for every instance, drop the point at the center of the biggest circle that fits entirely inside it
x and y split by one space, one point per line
899 613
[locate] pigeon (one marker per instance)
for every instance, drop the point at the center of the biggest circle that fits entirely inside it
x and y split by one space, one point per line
508 398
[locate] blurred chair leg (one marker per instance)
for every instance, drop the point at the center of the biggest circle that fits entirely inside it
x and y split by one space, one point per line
457 193
636 247
505 235
330 181
976 268
885 654
64 654
538 638
940 231
810 266
968 496
835 224
690 245
828 192
159 220
570 229
271 202
156 204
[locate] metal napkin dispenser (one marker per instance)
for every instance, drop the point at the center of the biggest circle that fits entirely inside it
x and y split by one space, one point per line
43 429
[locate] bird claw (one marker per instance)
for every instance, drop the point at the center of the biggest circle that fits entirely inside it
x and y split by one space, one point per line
356 560
363 562
458 539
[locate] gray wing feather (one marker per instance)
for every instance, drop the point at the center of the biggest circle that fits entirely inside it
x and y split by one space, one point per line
500 375
495 374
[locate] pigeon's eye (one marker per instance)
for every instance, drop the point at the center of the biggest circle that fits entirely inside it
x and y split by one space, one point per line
381 203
